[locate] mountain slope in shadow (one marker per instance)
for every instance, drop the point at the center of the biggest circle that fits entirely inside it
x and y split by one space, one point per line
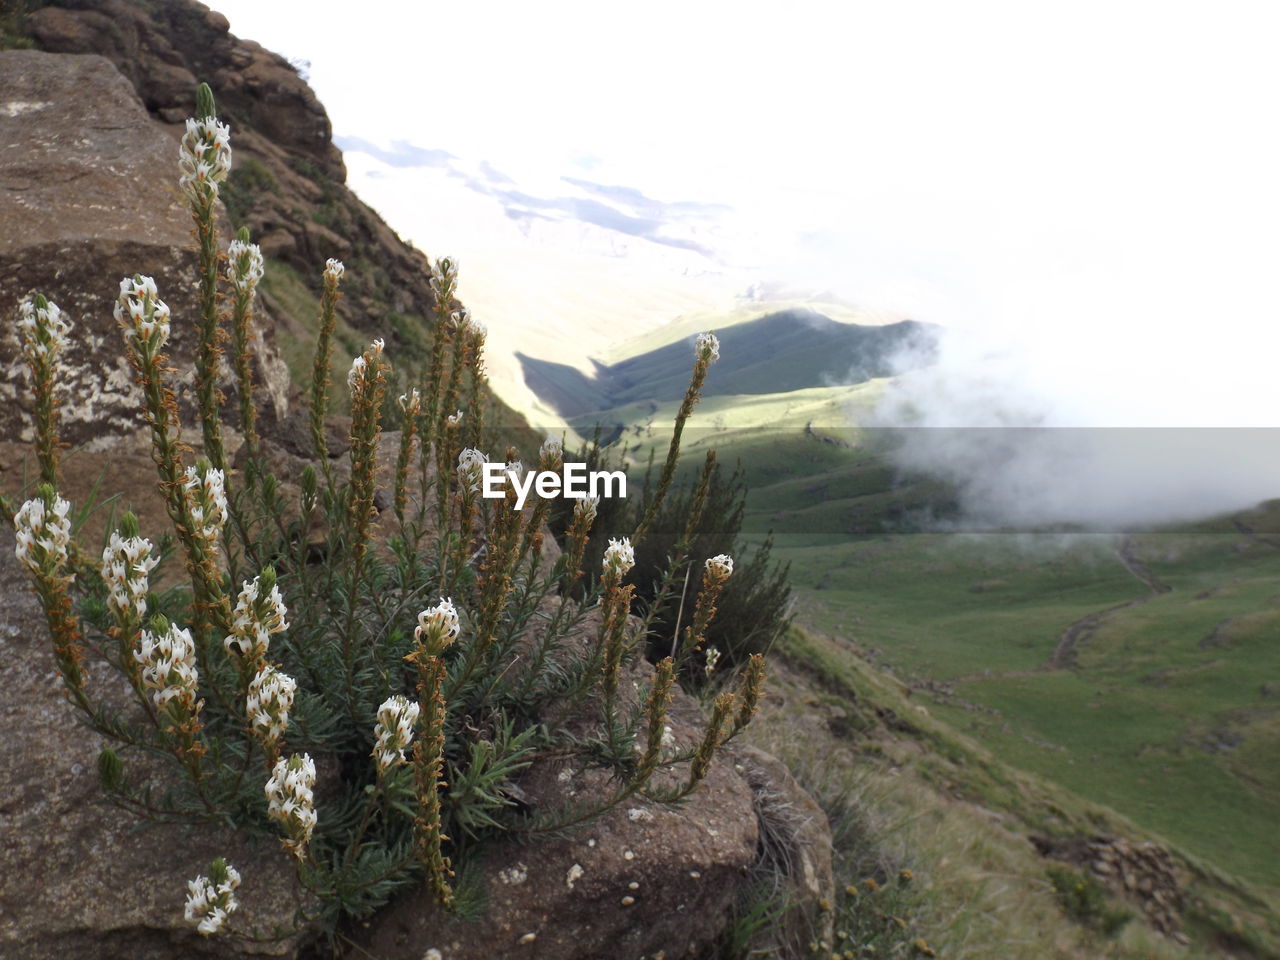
778 353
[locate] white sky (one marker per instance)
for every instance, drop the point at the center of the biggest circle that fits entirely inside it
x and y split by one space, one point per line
1095 183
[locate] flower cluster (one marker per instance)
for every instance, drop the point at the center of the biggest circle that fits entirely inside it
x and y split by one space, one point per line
204 157
437 627
45 329
584 510
619 558
169 665
259 613
713 658
551 454
207 500
290 800
365 366
720 567
211 899
244 265
460 320
394 730
126 564
141 312
333 270
268 702
43 530
411 402
471 469
707 347
444 278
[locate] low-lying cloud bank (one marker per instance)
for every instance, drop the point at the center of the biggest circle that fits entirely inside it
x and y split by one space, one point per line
1063 435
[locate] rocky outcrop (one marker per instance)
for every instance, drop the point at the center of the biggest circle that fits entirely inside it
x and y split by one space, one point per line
80 878
88 194
1141 872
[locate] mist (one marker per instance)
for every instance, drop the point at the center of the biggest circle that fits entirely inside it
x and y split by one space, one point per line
1087 434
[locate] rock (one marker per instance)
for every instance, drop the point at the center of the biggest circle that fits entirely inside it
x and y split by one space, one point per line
795 841
87 194
644 880
80 879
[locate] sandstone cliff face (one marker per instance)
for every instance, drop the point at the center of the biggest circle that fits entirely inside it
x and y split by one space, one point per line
88 195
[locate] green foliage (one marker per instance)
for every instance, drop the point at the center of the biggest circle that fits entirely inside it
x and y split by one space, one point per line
249 179
283 678
754 609
1085 900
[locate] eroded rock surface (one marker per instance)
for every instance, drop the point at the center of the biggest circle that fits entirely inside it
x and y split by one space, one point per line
88 195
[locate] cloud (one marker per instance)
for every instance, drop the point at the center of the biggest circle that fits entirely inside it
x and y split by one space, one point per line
1029 440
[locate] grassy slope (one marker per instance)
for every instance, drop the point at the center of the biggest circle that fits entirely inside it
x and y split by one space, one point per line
1149 730
904 789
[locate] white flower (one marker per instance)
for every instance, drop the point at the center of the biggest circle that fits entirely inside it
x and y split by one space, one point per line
141 312
204 157
394 730
514 471
720 567
438 623
454 419
584 511
269 700
211 899
460 320
125 568
333 269
471 469
290 800
551 452
207 501
169 665
619 558
444 277
244 265
43 534
45 330
411 402
356 374
713 657
256 618
707 347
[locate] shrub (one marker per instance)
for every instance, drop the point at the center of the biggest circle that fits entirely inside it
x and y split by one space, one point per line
369 698
1085 900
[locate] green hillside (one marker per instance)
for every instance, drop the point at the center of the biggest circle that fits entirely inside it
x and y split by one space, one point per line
778 353
1133 675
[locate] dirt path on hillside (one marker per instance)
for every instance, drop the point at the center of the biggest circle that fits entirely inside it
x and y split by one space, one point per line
1079 632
